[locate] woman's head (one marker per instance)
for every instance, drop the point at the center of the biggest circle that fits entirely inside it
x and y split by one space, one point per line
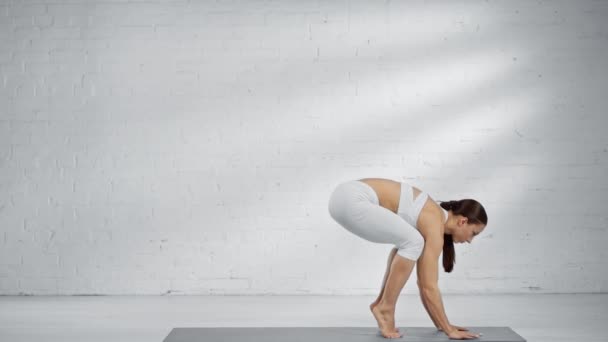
470 218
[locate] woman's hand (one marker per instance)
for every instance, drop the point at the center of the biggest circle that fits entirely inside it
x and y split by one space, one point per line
455 327
461 335
458 333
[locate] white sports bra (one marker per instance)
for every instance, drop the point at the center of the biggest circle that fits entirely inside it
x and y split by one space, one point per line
410 209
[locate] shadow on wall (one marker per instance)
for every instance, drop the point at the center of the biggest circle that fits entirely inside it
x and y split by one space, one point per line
398 99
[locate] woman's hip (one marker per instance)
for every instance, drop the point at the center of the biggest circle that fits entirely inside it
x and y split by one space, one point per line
350 198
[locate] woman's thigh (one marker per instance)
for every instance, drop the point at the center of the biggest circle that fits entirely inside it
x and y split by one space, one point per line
356 209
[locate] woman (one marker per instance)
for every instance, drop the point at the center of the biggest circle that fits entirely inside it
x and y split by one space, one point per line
385 211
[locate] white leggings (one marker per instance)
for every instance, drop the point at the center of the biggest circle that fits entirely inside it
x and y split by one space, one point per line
355 206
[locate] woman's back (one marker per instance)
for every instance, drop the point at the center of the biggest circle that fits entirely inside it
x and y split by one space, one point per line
388 192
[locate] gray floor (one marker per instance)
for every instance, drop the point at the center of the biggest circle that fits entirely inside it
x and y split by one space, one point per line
542 318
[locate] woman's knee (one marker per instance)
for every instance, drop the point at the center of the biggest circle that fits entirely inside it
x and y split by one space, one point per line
412 247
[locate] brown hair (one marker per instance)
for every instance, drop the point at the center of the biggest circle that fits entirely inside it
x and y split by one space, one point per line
468 208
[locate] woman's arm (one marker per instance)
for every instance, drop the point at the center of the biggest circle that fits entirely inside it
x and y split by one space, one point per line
426 307
428 275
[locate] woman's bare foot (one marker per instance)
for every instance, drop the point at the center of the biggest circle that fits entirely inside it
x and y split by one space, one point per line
371 307
386 321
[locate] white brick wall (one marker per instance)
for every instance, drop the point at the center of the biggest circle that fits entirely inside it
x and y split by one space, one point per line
186 147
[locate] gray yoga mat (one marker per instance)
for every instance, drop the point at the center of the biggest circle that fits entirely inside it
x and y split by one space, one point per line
330 334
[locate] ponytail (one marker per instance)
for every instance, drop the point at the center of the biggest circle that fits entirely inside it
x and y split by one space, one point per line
449 255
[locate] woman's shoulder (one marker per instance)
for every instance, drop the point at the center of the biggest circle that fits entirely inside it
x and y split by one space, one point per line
431 218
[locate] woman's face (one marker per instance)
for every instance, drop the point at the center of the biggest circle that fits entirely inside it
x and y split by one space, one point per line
466 232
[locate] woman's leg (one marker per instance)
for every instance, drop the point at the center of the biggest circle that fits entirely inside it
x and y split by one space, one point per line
401 269
391 255
354 205
388 268
384 311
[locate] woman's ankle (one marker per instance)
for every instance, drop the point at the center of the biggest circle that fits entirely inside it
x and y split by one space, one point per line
384 306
